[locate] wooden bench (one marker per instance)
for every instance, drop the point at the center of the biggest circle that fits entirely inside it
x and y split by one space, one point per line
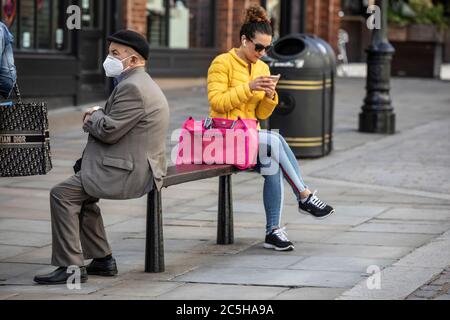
154 247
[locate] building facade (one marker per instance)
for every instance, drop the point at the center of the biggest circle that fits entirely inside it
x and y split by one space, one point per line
64 67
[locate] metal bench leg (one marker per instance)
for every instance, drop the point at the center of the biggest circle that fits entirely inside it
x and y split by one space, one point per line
225 213
154 246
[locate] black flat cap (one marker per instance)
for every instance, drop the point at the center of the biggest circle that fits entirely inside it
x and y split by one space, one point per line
131 39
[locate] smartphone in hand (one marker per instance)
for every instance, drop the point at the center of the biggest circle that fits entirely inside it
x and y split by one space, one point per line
275 78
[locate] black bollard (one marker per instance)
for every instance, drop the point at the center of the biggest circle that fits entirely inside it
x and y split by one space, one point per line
377 114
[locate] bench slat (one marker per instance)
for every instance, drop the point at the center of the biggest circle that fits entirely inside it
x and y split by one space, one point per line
192 172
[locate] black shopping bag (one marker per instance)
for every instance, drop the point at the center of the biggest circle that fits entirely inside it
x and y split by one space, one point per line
24 138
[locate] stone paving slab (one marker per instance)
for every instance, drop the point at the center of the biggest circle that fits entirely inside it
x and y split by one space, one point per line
343 250
317 227
336 219
311 236
443 297
359 211
381 238
403 227
310 293
50 296
7 295
29 288
211 247
31 256
8 251
25 225
20 213
393 200
271 277
238 217
11 270
349 264
189 194
185 208
409 273
422 214
26 239
436 254
396 283
28 203
135 288
256 261
243 206
6 193
130 225
401 164
198 291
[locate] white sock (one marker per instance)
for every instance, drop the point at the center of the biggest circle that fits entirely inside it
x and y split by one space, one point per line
304 199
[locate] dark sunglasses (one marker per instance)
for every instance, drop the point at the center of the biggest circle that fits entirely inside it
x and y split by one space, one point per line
259 47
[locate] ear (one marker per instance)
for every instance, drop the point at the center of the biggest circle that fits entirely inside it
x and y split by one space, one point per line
134 60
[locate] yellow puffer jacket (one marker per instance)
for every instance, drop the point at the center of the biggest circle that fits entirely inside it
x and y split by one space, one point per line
229 93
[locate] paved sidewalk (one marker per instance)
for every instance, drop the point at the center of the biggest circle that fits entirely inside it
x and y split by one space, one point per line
392 195
359 70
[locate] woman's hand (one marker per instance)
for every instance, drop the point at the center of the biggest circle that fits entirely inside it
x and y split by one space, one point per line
270 92
261 84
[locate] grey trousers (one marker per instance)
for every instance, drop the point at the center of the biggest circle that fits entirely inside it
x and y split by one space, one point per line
76 223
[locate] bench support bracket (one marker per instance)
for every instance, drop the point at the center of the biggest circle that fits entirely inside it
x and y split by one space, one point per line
225 212
154 246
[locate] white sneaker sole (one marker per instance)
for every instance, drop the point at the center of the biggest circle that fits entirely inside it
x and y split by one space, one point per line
306 213
271 246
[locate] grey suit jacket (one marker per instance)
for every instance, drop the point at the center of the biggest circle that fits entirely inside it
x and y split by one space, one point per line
125 152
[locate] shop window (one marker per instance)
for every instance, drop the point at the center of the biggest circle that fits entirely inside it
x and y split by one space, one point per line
355 7
181 24
273 8
37 25
89 14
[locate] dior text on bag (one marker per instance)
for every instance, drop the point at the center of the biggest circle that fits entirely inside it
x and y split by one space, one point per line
24 138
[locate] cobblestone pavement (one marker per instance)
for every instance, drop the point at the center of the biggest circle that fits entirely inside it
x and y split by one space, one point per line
437 289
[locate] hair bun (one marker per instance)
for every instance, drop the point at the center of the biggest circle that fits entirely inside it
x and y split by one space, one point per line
255 14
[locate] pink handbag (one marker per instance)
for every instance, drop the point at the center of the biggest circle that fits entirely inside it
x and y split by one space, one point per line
219 141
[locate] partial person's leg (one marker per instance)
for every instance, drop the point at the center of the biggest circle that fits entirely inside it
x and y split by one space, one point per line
295 165
66 200
272 143
280 152
92 231
94 241
273 197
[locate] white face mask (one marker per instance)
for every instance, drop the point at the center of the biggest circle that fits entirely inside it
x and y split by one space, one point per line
113 66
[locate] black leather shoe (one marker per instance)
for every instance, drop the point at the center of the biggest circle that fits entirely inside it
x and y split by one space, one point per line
59 276
107 268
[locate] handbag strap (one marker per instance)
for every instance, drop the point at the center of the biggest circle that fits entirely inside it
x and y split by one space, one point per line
208 123
17 92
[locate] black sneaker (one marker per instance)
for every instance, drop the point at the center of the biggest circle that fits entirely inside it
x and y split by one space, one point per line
278 240
315 207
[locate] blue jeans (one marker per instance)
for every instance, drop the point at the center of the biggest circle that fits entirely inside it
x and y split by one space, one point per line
8 73
275 161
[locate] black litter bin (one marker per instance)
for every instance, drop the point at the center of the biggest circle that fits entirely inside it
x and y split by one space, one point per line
304 115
